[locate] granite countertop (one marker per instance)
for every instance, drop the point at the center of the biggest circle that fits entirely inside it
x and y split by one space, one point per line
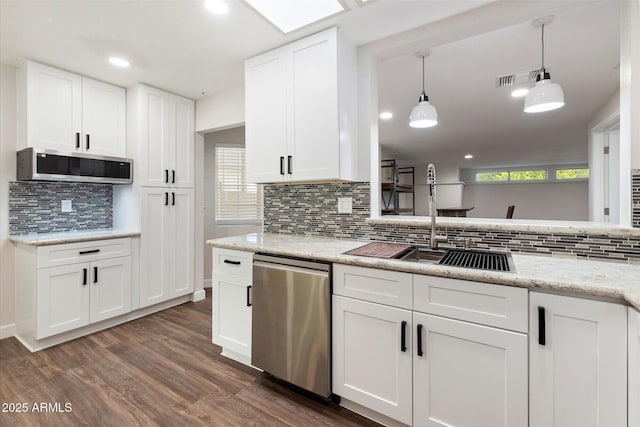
57 238
602 279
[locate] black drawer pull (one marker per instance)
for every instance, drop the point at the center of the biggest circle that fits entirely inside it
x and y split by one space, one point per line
166 198
92 251
77 139
403 336
95 274
166 176
84 276
249 296
173 198
281 165
420 352
228 261
289 165
173 177
88 142
542 338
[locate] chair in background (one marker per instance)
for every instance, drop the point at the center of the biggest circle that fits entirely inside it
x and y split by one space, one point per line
510 211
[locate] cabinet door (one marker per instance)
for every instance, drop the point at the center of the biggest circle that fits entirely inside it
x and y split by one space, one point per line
634 368
154 137
232 313
468 374
181 143
103 119
265 117
314 140
154 257
370 367
578 376
62 299
180 242
54 108
110 288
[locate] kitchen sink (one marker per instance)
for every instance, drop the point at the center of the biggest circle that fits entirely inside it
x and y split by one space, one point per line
477 260
418 254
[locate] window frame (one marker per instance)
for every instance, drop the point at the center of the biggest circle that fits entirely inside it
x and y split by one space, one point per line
469 175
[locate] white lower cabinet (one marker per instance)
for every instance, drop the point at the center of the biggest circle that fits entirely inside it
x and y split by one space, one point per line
372 363
423 369
577 362
232 280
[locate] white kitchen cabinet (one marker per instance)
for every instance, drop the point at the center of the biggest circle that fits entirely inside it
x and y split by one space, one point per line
466 374
67 286
232 281
372 362
166 244
300 111
577 362
62 111
634 367
161 137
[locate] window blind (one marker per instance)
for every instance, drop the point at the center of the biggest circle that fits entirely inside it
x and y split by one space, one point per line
236 200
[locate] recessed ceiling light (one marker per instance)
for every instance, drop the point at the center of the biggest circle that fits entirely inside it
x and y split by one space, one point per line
386 115
519 93
468 156
289 15
217 7
119 62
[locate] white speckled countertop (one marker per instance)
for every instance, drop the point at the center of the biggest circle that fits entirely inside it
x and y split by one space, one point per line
601 279
44 239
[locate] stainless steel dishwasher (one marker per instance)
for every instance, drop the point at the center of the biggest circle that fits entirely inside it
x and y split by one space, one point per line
291 312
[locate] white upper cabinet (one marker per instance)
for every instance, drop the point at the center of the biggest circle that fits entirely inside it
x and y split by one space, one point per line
162 137
62 111
300 111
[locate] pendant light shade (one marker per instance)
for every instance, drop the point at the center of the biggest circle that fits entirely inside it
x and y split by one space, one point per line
423 115
545 95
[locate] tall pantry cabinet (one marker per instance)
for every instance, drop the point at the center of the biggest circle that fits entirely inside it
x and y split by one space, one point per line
160 130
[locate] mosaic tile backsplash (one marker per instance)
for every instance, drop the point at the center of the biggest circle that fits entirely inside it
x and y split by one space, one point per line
635 198
311 209
35 207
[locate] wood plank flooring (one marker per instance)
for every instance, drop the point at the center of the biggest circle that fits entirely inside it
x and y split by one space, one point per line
159 370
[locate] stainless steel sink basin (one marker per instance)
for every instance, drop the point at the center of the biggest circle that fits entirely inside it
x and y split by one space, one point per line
424 255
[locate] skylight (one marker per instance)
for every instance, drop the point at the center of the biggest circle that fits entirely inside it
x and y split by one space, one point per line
289 15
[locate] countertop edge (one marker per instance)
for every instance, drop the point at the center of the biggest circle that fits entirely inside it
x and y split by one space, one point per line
58 240
507 279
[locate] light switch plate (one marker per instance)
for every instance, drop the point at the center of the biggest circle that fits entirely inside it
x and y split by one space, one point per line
345 205
66 206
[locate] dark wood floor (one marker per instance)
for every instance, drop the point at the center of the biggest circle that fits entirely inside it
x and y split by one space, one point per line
158 370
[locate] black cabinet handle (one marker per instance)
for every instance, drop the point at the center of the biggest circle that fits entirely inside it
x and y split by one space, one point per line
166 198
92 251
95 274
77 139
228 261
542 338
88 144
84 276
403 336
166 176
281 165
173 198
420 352
289 165
249 296
173 176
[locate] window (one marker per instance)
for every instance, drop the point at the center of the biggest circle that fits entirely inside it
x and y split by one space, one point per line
236 201
572 173
512 176
530 174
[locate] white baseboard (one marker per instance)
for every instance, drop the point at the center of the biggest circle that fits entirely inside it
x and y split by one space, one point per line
7 331
198 295
208 283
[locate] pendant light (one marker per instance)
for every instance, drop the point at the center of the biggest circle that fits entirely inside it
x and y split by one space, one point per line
545 95
424 114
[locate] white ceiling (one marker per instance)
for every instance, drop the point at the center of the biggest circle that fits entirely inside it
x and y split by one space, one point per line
581 49
178 45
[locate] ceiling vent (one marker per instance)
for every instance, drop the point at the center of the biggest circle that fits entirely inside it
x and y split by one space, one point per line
519 78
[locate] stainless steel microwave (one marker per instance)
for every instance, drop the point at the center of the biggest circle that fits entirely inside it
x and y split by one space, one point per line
35 164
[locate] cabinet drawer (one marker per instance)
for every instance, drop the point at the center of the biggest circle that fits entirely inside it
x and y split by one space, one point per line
237 263
493 305
385 287
71 253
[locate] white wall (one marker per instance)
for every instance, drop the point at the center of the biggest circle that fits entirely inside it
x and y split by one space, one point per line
211 230
630 79
550 201
7 173
220 111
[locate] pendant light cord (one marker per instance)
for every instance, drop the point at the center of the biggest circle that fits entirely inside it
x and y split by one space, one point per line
543 48
422 73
